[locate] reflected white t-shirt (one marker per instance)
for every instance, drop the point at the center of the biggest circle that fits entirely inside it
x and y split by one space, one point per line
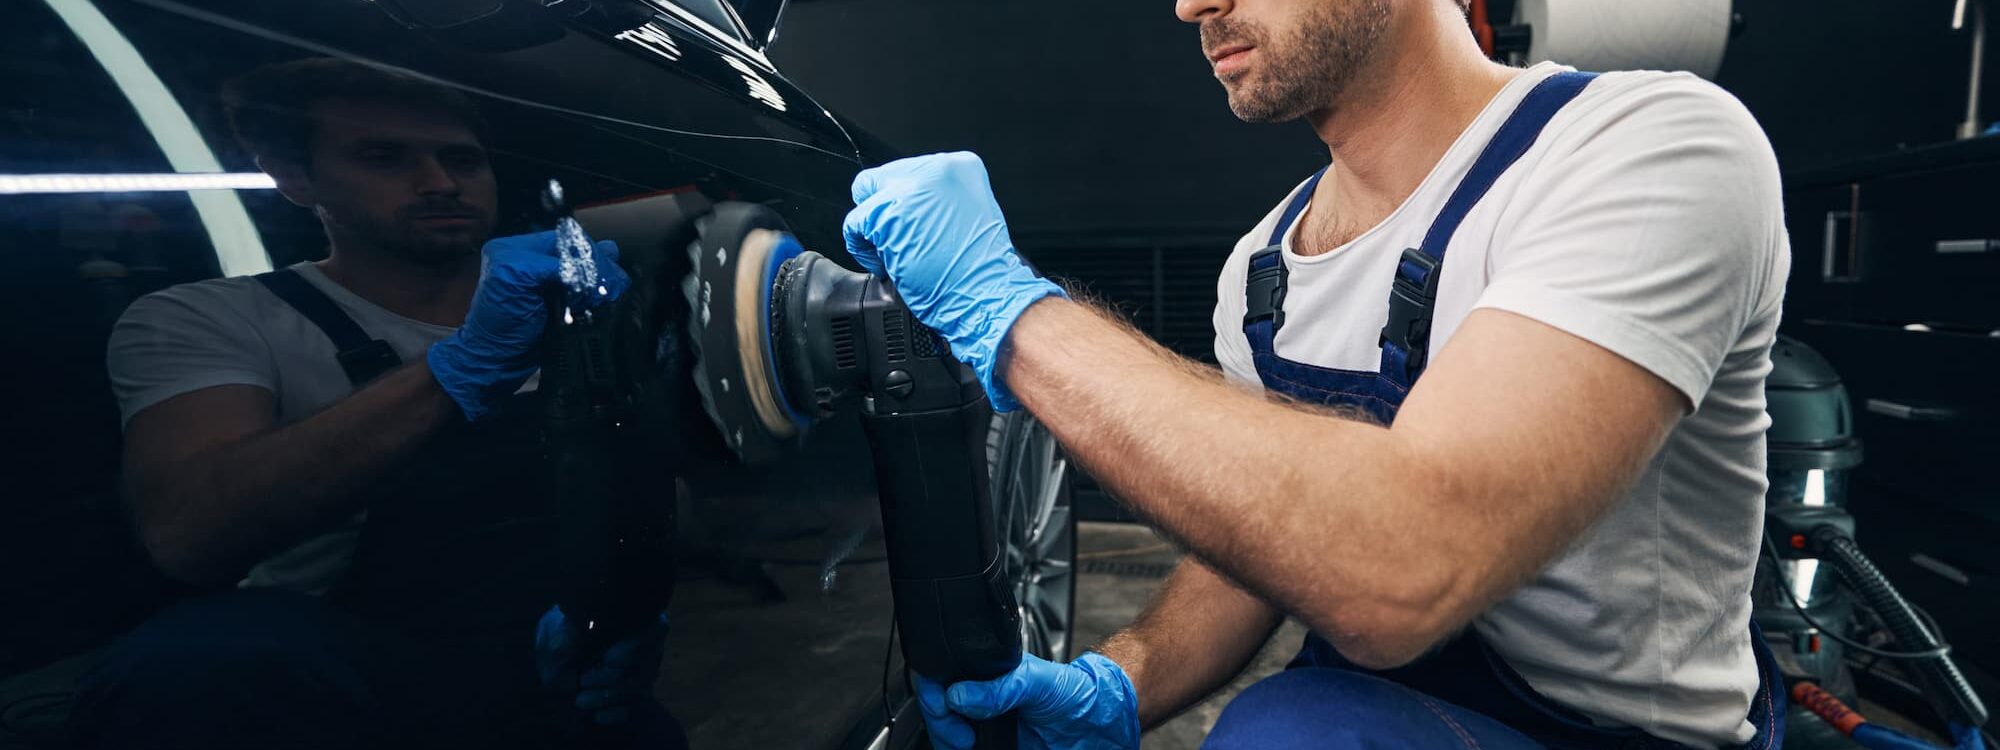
233 331
1646 219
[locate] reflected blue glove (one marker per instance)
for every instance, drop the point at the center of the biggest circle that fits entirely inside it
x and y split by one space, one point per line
1087 704
931 225
613 689
495 351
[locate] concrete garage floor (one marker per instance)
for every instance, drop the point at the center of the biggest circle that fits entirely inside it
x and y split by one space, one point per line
1122 565
716 659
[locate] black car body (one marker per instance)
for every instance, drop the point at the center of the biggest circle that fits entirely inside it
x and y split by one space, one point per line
114 159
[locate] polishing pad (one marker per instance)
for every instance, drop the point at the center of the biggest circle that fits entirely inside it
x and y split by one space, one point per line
735 260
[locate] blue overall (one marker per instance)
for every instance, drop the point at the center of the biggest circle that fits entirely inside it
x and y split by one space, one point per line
1463 694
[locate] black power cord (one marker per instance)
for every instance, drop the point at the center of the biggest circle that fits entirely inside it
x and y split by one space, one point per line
1785 582
889 655
1940 677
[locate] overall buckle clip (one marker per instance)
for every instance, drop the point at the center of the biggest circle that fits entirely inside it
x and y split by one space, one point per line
1264 292
1412 303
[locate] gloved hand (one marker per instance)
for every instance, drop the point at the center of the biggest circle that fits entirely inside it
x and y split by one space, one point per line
495 351
1087 704
615 687
930 225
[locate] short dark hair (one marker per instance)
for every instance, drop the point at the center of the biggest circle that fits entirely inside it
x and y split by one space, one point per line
270 108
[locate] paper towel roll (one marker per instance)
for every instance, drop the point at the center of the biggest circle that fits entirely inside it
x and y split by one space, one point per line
1629 34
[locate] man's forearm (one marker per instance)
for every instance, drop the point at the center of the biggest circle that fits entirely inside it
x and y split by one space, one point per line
227 506
1199 632
1310 511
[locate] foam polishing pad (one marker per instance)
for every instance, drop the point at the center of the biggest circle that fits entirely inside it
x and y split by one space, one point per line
736 260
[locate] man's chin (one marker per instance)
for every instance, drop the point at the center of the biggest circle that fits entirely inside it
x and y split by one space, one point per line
443 249
1251 101
1256 111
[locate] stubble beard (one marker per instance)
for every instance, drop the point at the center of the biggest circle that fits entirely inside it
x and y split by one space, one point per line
399 238
1308 69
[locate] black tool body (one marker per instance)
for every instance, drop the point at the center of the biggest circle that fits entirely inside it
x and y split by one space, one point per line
611 454
781 338
926 417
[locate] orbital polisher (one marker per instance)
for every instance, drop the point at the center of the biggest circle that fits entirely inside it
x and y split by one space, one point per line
782 338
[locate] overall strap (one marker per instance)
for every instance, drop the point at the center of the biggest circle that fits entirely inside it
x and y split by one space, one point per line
361 357
1265 283
1413 299
1298 206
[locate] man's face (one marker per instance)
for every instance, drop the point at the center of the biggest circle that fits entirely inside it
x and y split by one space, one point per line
412 182
1283 59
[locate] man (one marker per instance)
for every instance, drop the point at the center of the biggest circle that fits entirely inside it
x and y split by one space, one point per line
1547 540
338 437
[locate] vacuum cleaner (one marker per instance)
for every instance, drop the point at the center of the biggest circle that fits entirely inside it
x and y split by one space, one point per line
1808 533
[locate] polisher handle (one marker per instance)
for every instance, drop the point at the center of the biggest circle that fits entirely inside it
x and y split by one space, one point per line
955 608
999 733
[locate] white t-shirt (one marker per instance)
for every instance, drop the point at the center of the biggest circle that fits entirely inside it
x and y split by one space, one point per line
233 331
1646 219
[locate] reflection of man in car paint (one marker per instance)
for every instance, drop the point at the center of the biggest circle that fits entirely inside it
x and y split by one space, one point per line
287 434
396 173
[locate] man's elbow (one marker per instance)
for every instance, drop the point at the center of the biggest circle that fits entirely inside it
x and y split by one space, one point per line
1386 651
185 560
1389 628
1387 641
179 550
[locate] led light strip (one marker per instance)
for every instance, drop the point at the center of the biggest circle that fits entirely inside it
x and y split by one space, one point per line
32 184
239 250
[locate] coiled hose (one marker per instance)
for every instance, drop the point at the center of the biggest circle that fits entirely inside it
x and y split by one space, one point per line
1938 676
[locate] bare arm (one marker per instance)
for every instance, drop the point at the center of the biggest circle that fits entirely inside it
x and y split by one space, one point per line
214 487
1198 633
1384 540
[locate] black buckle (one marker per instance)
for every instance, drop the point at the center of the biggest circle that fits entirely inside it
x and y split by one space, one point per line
1411 306
1264 290
367 361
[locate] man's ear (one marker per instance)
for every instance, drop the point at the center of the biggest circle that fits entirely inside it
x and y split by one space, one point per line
293 182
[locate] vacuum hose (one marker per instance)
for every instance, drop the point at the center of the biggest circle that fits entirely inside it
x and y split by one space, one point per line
1937 676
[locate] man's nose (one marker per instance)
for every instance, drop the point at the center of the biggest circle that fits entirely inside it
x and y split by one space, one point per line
1193 11
432 178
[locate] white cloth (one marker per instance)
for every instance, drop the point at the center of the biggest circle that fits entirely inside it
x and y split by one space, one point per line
233 331
1646 219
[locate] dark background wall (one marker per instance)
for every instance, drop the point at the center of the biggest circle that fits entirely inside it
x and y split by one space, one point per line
1098 114
1112 149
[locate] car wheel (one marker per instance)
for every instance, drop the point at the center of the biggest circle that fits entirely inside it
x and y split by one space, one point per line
1032 494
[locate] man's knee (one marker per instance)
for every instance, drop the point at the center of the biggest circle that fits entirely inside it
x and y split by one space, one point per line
1338 709
242 656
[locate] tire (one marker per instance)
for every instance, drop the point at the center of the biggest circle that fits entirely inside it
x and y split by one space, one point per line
1034 503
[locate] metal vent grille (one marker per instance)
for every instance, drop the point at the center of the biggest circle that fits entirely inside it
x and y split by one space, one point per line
926 344
895 336
599 357
1166 290
844 355
1164 284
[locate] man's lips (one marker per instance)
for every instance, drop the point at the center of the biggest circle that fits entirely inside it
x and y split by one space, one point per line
1217 55
1230 58
445 218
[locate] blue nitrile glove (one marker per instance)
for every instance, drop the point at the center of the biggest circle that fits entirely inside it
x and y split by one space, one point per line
1087 704
495 351
930 224
615 687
